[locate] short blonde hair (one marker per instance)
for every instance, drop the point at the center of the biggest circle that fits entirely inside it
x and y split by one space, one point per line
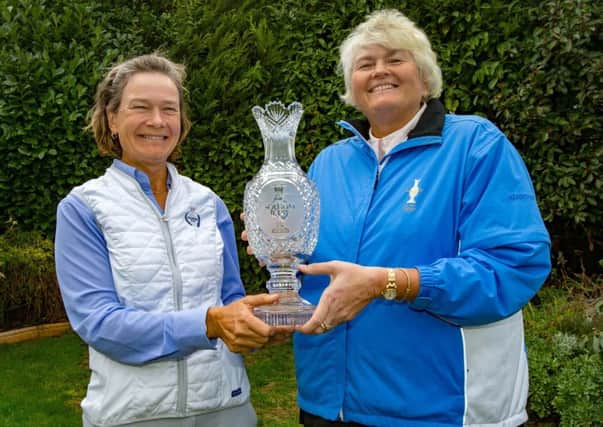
391 29
110 90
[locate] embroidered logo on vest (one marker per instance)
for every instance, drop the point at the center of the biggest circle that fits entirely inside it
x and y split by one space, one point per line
192 218
413 192
236 392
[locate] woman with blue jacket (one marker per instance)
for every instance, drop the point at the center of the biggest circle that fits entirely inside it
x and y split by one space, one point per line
430 244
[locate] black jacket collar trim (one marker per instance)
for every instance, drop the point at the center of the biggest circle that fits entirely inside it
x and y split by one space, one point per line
431 122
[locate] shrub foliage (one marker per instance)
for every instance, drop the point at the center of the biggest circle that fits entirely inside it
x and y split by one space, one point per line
29 293
531 67
564 336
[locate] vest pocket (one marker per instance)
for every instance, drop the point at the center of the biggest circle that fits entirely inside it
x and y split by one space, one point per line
205 381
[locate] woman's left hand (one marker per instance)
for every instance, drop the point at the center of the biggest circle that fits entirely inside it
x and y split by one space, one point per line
351 288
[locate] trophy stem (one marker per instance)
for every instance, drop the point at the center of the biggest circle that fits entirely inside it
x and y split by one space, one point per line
282 279
291 308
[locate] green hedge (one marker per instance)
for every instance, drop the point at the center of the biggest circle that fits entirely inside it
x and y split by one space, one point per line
532 67
53 55
29 293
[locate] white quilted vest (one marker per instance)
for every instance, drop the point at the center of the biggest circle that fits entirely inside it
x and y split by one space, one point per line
161 263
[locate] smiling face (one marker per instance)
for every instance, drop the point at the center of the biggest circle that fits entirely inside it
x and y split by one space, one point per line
147 120
386 87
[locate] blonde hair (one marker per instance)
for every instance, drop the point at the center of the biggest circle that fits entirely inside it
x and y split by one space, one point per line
110 90
391 29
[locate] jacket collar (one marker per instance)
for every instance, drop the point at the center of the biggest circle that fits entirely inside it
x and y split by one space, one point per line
141 178
431 122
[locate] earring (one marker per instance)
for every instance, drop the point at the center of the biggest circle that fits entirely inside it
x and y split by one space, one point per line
115 137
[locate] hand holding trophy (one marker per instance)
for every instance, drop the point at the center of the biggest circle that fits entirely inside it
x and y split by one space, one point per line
281 207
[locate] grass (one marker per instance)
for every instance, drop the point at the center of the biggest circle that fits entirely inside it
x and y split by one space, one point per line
42 383
273 387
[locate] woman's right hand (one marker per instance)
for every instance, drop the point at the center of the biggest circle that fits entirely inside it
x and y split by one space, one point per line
240 329
244 234
244 238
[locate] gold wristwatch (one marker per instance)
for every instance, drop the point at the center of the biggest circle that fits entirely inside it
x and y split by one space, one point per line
391 289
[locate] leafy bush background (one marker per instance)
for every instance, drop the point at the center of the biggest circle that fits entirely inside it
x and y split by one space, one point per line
29 292
564 337
532 67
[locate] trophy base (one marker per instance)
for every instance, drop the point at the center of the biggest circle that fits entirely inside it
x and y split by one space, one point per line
290 310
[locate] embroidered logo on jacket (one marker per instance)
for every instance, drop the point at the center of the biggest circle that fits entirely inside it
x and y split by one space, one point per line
413 192
192 218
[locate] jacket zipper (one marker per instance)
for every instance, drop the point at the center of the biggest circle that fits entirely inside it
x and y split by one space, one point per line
177 278
177 294
376 183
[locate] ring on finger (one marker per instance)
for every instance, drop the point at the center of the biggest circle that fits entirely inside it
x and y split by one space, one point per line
324 326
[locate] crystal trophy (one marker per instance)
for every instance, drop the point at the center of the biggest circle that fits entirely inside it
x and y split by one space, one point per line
281 208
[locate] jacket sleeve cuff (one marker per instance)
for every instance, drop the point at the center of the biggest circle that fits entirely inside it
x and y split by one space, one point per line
430 287
191 330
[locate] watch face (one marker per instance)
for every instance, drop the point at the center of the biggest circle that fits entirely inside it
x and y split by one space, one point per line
389 294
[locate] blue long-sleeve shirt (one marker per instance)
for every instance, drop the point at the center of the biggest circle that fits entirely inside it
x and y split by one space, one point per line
123 333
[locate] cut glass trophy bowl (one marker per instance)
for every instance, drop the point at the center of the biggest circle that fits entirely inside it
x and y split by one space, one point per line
281 208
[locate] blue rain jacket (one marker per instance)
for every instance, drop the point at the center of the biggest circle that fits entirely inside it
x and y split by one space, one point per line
456 202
